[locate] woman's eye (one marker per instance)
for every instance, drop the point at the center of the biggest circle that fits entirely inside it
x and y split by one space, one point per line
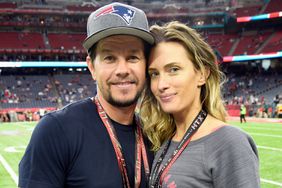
173 69
153 74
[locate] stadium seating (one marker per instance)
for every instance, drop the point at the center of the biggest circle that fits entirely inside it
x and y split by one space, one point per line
222 42
275 43
252 89
21 40
73 87
245 45
52 30
66 41
8 5
250 43
28 92
86 8
247 11
273 6
44 91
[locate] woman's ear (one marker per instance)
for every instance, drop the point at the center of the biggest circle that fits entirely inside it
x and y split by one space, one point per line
90 66
204 76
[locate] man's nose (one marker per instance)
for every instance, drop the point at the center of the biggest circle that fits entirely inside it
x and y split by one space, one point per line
122 68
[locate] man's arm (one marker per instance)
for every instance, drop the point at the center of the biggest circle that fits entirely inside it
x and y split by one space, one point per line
44 162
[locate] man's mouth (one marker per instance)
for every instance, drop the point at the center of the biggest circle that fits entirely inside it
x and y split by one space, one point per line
123 84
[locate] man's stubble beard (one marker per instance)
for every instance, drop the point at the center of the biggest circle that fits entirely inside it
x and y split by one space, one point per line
118 103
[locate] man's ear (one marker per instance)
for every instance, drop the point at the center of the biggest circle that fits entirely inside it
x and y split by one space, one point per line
204 76
90 66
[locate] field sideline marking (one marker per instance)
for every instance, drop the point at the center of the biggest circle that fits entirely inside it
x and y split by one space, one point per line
9 169
269 148
269 135
15 177
271 182
262 128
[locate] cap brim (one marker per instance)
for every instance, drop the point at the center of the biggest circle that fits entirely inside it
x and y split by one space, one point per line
91 40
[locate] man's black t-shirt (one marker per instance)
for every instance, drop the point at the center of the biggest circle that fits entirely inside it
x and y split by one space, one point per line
71 148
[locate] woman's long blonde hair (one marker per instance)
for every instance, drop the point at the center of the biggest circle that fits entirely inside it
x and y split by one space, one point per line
158 125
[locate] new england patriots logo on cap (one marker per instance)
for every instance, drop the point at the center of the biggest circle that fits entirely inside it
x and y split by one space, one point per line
125 13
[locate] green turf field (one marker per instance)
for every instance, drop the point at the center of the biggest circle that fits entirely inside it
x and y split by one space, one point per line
268 136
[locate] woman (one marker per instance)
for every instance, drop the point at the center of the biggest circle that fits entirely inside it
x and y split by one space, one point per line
184 117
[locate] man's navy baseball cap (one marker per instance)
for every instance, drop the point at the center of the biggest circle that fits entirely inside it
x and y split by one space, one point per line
117 19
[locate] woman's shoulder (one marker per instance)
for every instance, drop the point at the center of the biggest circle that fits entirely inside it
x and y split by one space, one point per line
222 129
231 138
226 135
230 132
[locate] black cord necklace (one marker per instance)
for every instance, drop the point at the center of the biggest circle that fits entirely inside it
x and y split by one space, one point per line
157 173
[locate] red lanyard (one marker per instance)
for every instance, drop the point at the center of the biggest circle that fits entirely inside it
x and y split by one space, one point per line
159 174
140 149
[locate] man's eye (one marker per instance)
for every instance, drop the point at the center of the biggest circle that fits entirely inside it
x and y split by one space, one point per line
109 58
133 59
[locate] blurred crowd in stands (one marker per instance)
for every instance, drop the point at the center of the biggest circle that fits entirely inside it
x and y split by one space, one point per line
50 30
24 115
15 57
261 93
32 91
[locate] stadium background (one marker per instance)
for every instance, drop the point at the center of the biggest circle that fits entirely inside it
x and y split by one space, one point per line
42 61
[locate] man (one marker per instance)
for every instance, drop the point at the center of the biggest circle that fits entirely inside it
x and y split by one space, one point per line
97 142
243 112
